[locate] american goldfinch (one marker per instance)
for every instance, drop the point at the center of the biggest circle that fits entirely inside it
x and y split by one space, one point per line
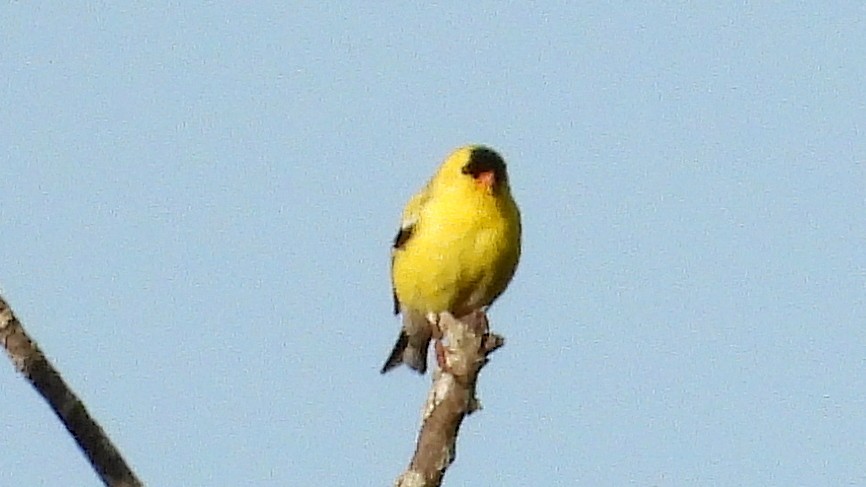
456 250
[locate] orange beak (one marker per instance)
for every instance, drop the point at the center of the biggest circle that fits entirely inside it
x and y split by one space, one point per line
486 180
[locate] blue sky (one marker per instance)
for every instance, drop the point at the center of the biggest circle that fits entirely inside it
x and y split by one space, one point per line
198 203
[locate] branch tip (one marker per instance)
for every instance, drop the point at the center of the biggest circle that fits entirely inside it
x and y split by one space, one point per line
462 353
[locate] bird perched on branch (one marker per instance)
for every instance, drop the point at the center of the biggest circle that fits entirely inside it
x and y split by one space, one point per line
456 250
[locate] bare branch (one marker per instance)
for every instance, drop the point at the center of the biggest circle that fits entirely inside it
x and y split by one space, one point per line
463 352
30 361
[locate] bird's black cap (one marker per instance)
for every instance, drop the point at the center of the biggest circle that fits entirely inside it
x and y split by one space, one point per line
484 159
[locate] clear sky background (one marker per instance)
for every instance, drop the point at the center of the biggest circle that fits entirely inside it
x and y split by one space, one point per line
198 201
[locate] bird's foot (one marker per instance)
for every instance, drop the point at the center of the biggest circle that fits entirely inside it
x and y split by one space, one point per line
435 330
440 356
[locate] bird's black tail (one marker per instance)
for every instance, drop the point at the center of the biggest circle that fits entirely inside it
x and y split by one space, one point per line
405 352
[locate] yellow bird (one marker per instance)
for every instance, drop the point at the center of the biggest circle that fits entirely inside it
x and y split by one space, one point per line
456 250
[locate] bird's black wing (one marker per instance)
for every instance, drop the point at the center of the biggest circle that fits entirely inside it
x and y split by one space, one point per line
400 240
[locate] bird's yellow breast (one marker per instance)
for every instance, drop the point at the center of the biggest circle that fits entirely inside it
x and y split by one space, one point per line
462 253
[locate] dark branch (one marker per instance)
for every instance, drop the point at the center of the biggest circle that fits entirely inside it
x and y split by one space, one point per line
92 440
